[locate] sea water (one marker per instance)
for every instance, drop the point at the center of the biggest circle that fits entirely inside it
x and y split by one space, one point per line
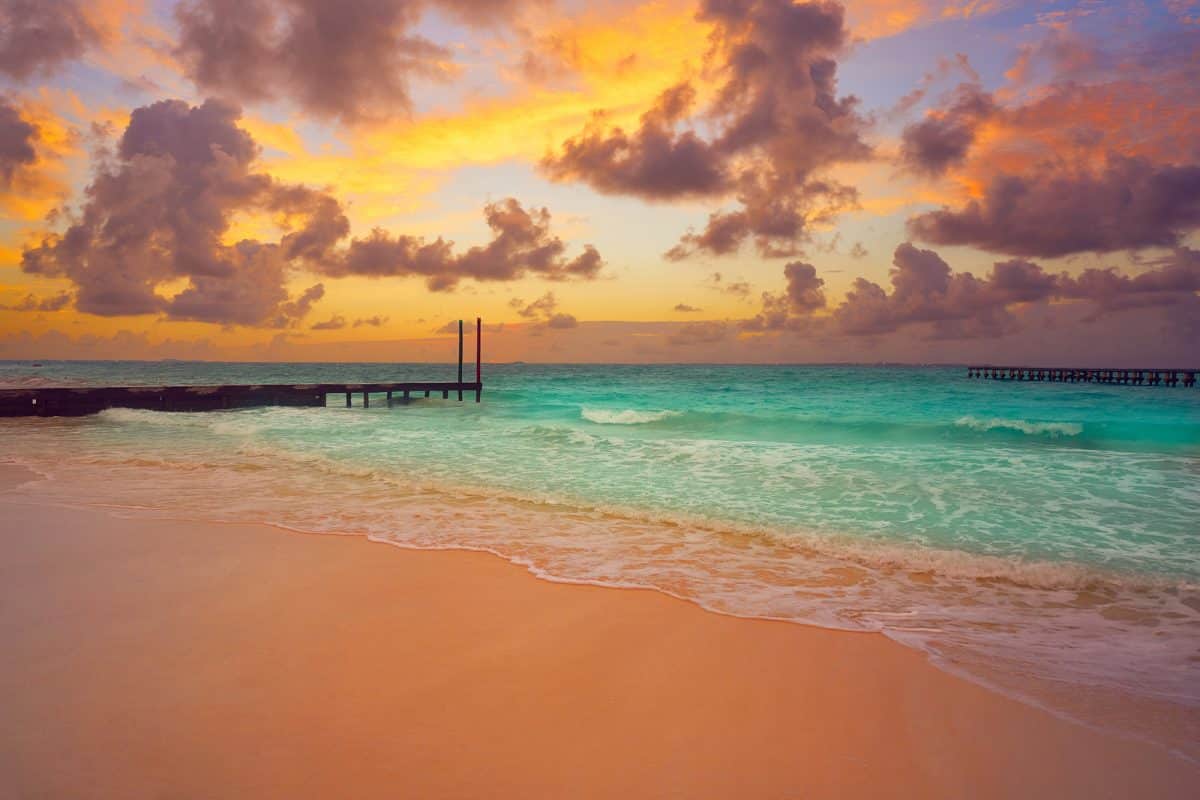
1043 538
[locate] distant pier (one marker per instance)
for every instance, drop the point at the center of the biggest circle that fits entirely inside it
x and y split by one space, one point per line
1125 377
73 401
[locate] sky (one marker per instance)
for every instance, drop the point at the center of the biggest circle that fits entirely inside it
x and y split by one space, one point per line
611 181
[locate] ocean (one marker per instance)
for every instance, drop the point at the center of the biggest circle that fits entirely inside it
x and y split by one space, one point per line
1042 539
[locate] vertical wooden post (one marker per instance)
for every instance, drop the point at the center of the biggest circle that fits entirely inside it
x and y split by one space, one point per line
478 358
389 398
366 399
347 399
460 354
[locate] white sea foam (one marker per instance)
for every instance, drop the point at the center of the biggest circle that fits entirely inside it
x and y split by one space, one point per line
1053 429
143 416
628 416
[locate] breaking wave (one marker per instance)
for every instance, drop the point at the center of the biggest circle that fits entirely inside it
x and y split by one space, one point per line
1053 429
628 416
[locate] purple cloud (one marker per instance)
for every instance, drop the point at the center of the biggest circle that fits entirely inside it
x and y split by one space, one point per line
1055 211
352 60
334 323
158 210
38 36
17 139
926 294
941 140
521 244
776 120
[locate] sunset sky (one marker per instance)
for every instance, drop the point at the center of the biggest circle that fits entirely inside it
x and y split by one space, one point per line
617 180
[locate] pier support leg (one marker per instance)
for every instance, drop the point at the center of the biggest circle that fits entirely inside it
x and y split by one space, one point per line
389 399
406 398
445 394
366 399
347 399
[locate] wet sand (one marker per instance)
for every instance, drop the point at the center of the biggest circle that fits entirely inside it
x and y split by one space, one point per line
151 659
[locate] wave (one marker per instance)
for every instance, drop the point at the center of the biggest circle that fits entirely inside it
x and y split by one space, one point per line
146 416
628 416
34 382
783 427
843 547
1053 429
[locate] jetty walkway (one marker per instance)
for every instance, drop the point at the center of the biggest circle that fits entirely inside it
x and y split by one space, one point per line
1128 377
64 401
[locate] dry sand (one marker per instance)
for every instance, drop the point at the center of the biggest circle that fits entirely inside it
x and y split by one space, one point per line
148 659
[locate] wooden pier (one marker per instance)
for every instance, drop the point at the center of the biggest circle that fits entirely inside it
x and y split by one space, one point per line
70 401
1124 377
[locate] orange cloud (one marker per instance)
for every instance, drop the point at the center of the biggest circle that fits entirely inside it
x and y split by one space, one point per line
876 19
36 188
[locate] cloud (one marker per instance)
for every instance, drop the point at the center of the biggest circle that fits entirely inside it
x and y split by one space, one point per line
924 290
699 333
352 60
33 303
38 36
543 306
1173 281
1055 211
774 122
36 146
928 296
942 138
684 308
792 308
521 244
545 311
804 292
944 68
654 162
334 323
157 210
858 251
452 327
468 328
735 288
17 138
374 322
1091 150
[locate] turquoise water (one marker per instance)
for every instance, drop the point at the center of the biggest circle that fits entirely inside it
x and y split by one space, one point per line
1022 530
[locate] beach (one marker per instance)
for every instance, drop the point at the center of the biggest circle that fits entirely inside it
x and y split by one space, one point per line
169 658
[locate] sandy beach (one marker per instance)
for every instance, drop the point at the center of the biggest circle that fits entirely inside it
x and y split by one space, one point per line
179 659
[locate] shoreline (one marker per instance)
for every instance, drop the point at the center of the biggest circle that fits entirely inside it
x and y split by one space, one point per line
231 659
